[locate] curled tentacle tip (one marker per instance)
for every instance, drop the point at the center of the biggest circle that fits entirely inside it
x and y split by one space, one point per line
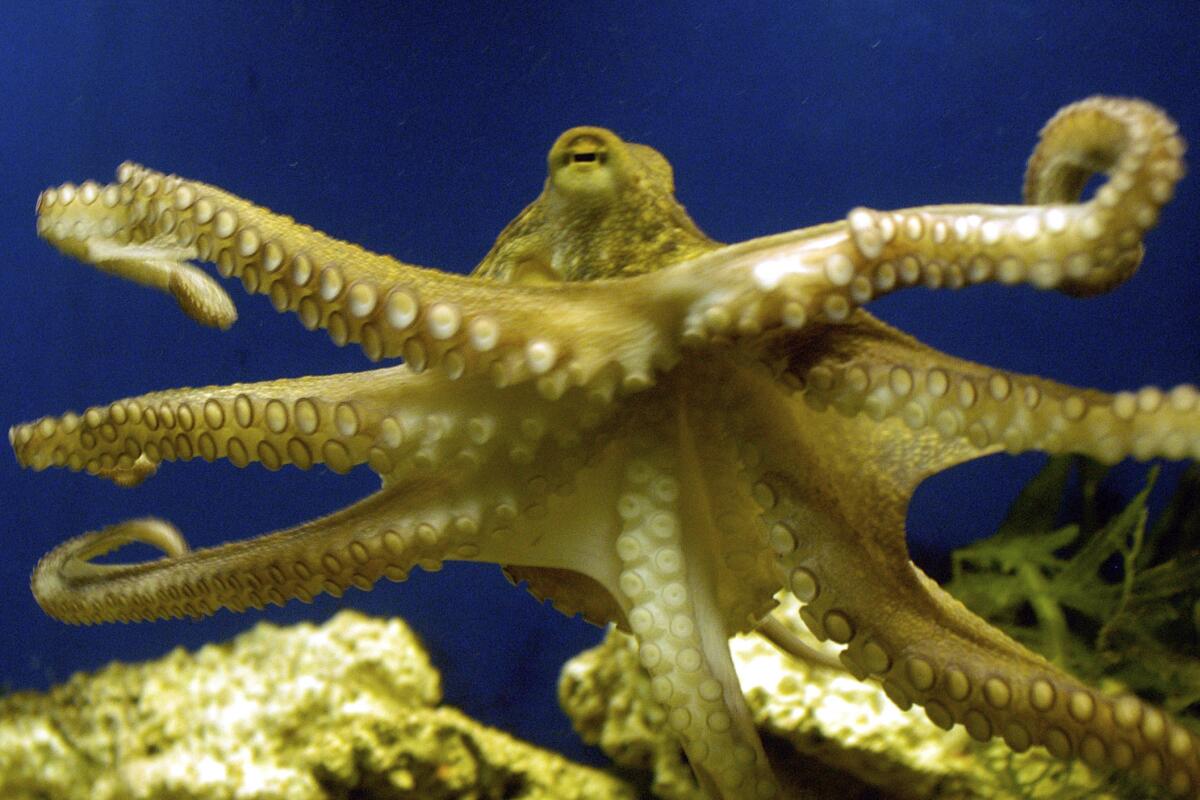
154 531
78 553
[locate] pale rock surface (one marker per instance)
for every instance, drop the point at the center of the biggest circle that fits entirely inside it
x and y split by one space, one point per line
346 709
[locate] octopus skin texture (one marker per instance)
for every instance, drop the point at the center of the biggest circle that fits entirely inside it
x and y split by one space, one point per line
646 426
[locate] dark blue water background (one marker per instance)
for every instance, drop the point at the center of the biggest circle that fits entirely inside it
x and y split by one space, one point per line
421 132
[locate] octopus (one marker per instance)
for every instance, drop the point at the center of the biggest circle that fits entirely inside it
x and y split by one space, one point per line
647 427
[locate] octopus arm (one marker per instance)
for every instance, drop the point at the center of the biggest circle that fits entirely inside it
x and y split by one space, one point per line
899 628
841 550
1056 241
147 226
401 424
497 515
336 420
462 480
950 410
678 541
385 535
658 519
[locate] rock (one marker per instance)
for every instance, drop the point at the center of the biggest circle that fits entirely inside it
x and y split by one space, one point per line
346 709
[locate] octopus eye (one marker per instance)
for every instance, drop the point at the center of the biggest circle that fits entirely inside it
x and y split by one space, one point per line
587 150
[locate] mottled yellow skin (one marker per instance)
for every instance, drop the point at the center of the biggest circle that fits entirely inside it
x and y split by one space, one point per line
650 428
608 210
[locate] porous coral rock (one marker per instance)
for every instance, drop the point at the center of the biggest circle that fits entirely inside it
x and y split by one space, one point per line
346 709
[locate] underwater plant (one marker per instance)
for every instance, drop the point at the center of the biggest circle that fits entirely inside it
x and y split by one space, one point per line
646 426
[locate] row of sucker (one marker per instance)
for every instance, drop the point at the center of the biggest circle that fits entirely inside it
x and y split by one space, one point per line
824 273
269 423
992 688
743 565
415 522
849 568
385 535
993 409
666 618
156 222
338 421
